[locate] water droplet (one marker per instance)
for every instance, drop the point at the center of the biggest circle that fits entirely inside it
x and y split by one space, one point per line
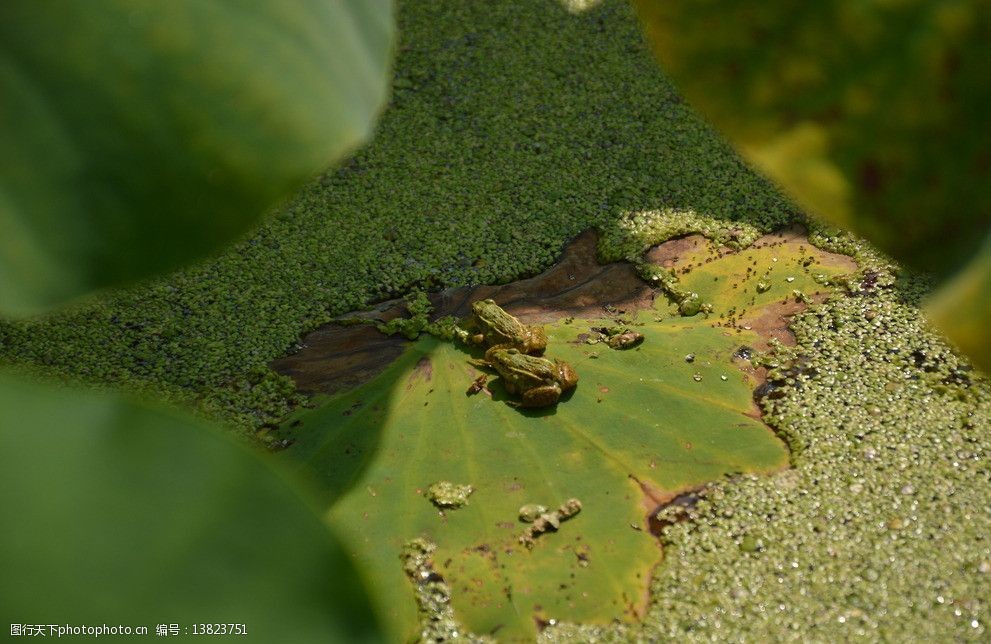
697 377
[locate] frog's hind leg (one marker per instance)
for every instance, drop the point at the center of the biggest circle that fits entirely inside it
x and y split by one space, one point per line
541 396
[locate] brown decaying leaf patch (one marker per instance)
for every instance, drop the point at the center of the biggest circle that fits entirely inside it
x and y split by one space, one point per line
338 358
670 252
653 496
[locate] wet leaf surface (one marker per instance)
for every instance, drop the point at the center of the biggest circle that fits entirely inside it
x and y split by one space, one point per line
643 425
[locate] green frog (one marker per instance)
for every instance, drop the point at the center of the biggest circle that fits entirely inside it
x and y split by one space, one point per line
491 326
538 381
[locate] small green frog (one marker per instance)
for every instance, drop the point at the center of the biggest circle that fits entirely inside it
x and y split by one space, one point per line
491 326
538 381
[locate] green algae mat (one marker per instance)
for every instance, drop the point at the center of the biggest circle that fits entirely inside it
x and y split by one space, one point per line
643 425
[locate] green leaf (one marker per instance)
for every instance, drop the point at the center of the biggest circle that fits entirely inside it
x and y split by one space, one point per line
139 135
643 425
120 514
872 114
961 308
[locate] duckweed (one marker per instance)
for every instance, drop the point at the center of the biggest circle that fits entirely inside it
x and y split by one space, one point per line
447 495
549 521
433 596
419 308
529 512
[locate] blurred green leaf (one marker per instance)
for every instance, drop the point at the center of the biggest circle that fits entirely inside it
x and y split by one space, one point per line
874 115
120 514
139 135
962 308
643 425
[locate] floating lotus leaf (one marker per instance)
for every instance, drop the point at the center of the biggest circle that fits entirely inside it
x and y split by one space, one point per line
643 425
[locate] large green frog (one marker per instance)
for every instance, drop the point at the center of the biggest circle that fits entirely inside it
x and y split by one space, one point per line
538 381
491 326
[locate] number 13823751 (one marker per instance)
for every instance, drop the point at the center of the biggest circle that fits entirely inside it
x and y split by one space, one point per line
220 629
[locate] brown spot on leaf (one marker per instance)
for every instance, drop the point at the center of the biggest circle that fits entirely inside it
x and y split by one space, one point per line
668 253
423 370
653 496
774 321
